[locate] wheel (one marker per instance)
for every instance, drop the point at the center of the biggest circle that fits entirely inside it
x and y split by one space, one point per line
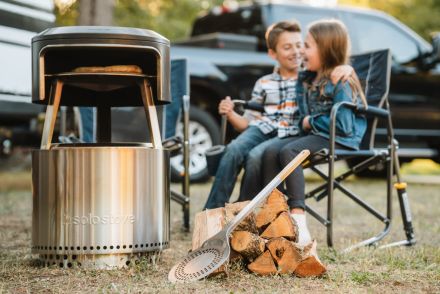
204 132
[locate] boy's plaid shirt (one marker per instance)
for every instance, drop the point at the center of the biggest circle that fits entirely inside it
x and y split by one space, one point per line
281 110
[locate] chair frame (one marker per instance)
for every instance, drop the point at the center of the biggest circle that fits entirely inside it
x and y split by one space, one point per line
373 156
183 198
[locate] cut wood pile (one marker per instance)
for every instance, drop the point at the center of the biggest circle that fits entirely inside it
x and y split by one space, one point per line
264 242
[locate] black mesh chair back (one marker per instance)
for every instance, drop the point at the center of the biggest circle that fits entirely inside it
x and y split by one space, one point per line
373 70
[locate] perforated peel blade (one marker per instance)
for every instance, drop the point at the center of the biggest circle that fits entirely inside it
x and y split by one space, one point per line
215 251
203 261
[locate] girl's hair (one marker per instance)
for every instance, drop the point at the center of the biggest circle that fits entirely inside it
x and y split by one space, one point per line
333 44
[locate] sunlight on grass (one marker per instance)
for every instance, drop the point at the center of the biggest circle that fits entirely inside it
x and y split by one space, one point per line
421 167
15 181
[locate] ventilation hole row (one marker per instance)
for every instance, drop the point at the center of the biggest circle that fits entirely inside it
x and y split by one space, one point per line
100 247
69 261
58 257
61 264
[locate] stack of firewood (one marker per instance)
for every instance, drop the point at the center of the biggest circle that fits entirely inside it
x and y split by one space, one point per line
264 242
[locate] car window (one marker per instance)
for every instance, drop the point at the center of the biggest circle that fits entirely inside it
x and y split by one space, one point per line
244 22
373 33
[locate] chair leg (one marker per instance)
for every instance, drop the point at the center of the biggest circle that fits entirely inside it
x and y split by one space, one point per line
330 189
387 219
404 205
333 183
406 214
186 157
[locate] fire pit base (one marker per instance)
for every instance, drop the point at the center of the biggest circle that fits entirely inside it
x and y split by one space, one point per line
100 206
101 261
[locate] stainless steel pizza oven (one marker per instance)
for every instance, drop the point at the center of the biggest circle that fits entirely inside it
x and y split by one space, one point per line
100 204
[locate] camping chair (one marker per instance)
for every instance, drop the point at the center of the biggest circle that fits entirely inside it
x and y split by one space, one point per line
373 70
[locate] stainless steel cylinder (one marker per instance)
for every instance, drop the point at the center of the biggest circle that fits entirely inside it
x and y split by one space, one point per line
99 202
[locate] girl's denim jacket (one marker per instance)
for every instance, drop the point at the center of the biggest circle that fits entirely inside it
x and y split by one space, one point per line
350 128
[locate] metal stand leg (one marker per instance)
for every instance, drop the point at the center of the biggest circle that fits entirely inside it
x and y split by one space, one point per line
51 114
150 112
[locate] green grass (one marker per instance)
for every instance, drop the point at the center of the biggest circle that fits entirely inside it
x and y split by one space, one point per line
366 270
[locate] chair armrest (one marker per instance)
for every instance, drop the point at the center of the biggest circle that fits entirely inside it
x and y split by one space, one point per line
374 111
254 106
249 105
370 110
173 145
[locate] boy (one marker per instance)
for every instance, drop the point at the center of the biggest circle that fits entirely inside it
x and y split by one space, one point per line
277 92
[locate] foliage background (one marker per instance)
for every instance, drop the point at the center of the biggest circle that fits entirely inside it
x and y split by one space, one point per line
173 18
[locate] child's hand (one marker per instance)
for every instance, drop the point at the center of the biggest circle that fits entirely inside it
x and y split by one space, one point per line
341 72
226 106
305 124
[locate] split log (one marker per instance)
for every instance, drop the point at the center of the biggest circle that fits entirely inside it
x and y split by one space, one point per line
310 265
269 212
263 265
207 223
247 244
286 255
275 197
282 226
235 258
248 224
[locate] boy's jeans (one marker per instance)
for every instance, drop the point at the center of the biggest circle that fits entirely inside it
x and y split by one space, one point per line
231 163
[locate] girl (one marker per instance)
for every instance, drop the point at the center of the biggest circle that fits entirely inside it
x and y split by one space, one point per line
326 47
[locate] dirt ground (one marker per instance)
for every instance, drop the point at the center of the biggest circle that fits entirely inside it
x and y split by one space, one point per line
399 269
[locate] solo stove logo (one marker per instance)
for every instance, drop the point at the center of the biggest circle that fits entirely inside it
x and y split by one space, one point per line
98 220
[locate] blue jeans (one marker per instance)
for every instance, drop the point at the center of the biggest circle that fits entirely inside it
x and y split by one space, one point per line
179 87
87 124
253 181
231 163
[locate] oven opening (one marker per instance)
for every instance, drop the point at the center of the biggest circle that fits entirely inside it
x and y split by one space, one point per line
58 60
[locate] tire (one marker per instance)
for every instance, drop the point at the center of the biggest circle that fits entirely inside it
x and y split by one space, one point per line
204 132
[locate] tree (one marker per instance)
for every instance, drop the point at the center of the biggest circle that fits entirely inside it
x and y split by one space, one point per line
95 12
423 16
173 18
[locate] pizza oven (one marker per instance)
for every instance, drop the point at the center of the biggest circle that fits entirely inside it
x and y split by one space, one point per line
101 204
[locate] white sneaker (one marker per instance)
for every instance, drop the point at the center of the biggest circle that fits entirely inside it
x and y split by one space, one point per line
304 237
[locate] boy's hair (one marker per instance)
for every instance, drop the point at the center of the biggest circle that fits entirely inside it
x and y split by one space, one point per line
333 42
274 31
